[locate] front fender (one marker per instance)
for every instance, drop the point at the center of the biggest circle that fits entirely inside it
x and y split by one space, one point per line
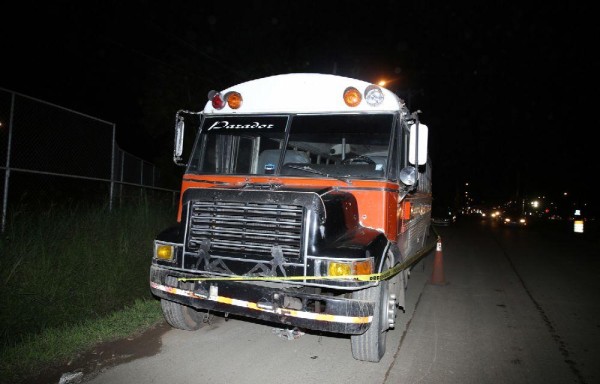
342 236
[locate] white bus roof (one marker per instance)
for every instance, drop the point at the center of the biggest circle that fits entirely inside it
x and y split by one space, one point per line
302 93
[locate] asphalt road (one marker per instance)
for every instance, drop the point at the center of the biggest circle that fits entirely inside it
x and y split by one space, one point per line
520 306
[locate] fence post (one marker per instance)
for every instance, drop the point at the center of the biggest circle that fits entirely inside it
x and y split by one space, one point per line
122 152
112 168
141 178
153 177
7 169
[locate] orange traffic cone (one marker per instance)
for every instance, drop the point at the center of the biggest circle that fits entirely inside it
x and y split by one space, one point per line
437 276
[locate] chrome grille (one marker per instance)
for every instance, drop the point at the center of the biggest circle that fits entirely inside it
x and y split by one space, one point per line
248 230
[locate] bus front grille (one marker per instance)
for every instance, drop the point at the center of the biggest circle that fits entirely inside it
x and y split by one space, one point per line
247 230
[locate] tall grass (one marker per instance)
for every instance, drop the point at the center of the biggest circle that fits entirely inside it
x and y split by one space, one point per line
64 265
53 347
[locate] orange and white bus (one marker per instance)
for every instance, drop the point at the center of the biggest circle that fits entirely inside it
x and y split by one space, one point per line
305 201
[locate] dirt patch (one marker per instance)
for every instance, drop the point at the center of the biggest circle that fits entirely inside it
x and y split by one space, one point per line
105 355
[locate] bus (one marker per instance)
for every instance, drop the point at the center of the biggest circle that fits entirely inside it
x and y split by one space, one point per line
305 201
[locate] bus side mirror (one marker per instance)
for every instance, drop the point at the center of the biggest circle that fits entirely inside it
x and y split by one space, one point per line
418 143
179 129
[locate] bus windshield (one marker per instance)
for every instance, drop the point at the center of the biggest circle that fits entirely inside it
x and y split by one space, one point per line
342 145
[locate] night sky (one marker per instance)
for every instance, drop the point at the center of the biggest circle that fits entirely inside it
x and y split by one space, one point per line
506 89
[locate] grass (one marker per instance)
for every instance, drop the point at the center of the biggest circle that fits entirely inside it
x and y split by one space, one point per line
73 276
56 345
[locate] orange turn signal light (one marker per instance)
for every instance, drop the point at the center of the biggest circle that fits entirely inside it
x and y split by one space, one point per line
234 100
352 97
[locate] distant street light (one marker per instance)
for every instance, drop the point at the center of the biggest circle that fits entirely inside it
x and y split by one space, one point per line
384 82
408 93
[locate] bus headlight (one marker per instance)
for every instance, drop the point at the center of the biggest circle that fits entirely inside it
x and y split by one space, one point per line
165 252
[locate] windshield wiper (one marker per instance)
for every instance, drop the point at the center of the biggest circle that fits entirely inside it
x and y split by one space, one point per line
308 169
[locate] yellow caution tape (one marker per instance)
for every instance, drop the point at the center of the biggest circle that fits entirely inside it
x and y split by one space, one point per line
385 275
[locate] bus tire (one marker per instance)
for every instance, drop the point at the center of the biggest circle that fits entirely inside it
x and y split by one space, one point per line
370 346
181 316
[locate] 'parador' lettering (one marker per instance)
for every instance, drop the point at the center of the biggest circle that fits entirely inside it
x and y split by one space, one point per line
225 125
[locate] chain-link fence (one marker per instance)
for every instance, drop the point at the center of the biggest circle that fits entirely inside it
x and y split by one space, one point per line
48 153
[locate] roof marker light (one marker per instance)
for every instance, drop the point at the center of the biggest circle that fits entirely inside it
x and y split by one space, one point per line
234 100
352 97
373 95
217 99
